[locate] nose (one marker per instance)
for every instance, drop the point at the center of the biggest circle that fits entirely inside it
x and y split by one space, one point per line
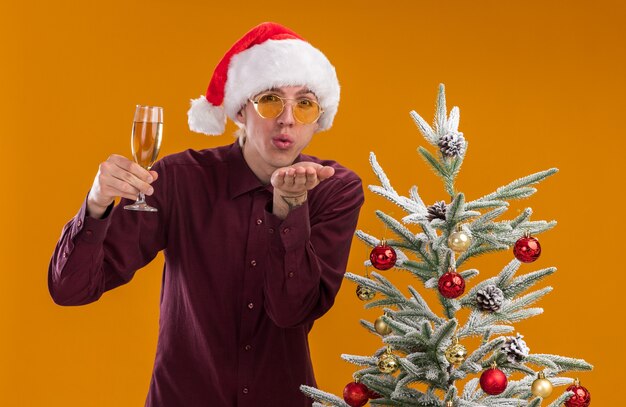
286 117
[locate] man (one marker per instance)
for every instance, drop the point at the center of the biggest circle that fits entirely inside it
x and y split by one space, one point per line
256 235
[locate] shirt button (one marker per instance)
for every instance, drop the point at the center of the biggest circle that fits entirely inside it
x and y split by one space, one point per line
251 305
245 390
271 230
259 221
89 232
286 230
248 347
80 223
253 263
291 274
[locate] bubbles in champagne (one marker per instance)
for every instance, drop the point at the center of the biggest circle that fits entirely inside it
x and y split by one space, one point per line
146 142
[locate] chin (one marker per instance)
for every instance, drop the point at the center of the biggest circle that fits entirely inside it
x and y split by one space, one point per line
281 163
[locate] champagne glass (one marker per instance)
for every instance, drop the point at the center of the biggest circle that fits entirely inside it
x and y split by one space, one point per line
145 144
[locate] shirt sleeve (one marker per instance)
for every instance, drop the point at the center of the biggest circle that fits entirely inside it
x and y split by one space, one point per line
96 255
308 254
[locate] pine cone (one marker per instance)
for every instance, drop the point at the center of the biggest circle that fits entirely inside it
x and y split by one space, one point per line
437 211
452 144
490 298
515 349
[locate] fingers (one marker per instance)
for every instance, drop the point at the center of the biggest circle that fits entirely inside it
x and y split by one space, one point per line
128 173
307 164
118 176
325 173
283 177
300 177
129 168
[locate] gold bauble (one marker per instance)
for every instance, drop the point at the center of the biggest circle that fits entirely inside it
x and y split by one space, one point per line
364 293
388 363
381 327
541 386
456 353
459 241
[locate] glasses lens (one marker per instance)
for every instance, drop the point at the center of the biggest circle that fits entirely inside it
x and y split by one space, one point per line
306 111
269 106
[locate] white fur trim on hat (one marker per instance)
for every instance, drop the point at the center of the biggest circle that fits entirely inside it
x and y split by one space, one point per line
205 118
277 63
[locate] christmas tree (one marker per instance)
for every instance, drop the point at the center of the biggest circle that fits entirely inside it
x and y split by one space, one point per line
423 361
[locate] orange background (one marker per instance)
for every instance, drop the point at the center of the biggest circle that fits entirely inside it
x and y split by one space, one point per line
539 84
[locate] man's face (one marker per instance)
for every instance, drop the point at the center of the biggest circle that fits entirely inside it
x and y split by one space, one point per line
275 143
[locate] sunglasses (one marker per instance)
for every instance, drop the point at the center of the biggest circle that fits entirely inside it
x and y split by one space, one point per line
270 106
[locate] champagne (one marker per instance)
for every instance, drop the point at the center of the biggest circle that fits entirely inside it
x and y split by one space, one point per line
146 142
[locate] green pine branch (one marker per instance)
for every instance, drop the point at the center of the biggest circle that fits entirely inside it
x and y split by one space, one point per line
418 331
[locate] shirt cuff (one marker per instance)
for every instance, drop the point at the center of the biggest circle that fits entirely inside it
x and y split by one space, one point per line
294 230
88 229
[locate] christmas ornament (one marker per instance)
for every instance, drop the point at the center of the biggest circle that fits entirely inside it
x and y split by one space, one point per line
459 241
356 394
437 211
382 327
515 349
527 249
490 298
364 293
541 387
451 284
581 397
373 395
268 56
383 257
452 144
493 381
456 353
388 362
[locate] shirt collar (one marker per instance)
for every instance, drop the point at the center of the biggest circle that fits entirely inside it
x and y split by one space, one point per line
241 179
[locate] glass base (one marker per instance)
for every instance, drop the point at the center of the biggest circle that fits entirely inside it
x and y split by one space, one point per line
141 206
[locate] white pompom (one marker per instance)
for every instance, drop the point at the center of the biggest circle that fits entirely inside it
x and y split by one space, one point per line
205 118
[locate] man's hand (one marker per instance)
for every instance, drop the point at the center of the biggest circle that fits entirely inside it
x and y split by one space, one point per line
292 183
118 176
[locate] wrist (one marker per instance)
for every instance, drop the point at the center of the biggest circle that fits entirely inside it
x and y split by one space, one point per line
293 200
95 210
285 202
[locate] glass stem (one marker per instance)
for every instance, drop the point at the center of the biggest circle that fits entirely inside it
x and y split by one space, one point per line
142 198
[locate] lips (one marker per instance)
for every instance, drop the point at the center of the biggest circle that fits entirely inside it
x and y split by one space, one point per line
282 141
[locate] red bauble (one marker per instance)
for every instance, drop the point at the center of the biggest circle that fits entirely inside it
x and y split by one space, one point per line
527 249
493 381
383 257
356 394
373 395
581 397
451 284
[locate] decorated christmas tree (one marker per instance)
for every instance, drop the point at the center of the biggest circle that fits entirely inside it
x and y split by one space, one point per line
422 360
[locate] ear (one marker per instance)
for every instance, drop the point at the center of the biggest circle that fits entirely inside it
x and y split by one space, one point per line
241 114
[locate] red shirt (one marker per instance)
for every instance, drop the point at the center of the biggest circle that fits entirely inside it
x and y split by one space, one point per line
241 288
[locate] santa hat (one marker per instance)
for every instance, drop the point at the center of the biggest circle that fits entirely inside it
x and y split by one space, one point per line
268 56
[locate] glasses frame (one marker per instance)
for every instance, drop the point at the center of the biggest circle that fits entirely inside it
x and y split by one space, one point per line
255 103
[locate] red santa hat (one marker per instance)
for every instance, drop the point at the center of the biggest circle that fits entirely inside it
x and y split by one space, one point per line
268 56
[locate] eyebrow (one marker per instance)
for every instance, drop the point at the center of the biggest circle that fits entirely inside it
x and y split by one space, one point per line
303 91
